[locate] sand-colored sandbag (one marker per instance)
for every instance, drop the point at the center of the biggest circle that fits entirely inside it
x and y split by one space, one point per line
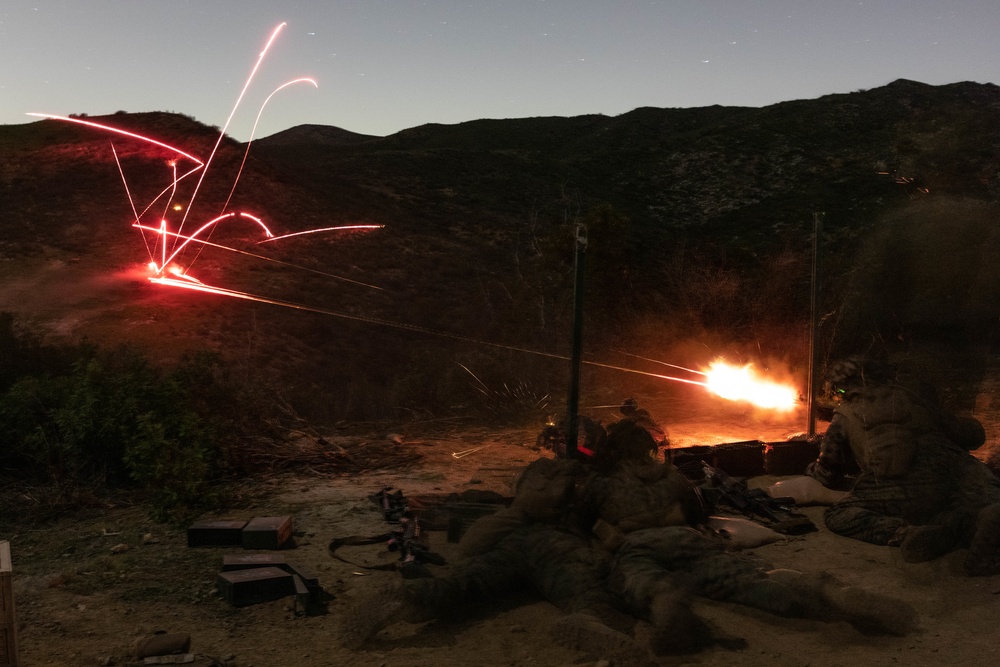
805 490
740 534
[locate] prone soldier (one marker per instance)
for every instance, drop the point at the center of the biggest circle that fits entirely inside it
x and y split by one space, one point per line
616 531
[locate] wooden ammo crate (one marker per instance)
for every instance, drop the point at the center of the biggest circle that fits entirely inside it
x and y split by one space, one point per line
216 533
8 623
267 532
232 562
308 592
255 585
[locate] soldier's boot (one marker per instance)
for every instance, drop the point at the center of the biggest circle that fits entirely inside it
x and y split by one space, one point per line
378 609
983 559
675 628
775 596
923 543
604 612
583 631
825 598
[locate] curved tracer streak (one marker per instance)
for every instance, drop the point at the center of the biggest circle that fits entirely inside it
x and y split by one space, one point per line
323 229
210 223
225 127
126 133
253 132
156 269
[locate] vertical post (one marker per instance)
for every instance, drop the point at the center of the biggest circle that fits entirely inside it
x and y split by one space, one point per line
814 321
8 621
573 400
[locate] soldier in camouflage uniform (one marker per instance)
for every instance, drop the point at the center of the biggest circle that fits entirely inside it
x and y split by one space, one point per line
621 531
651 518
918 488
541 543
631 411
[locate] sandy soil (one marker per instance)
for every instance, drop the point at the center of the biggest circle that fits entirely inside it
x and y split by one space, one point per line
78 603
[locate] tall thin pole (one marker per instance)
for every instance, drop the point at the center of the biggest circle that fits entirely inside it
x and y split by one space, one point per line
573 400
814 320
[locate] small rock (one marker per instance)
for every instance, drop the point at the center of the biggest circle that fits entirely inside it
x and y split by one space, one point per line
119 548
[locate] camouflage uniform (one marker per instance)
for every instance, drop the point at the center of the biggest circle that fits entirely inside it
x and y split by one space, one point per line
655 570
537 544
559 565
915 470
545 549
642 512
650 513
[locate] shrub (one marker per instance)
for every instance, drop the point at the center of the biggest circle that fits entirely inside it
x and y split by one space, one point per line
114 418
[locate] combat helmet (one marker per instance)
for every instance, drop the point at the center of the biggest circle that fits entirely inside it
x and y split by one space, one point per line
629 406
591 438
855 372
628 441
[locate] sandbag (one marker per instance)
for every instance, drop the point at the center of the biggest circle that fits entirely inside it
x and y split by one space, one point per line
805 490
739 534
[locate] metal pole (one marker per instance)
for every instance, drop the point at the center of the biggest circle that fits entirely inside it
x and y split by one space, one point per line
573 400
814 321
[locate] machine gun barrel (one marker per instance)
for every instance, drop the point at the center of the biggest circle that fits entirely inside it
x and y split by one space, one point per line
777 513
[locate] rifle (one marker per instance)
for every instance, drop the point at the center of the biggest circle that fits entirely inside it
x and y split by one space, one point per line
776 513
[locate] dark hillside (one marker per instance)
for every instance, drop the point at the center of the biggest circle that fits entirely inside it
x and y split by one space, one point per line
700 238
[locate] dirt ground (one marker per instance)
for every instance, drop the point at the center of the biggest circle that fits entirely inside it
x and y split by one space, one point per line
80 603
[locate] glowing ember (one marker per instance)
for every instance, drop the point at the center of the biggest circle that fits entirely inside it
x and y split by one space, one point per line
743 383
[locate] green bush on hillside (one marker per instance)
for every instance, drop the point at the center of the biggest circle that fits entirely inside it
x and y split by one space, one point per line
114 419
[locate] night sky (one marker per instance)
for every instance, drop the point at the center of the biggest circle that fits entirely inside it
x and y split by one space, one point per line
386 65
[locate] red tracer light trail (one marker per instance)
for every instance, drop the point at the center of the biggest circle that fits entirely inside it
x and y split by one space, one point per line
201 287
165 260
323 229
210 223
253 131
117 130
161 230
734 383
225 127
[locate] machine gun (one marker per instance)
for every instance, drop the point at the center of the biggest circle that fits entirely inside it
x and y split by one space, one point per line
776 513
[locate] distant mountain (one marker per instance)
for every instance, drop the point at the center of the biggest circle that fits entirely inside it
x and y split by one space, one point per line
321 135
700 225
